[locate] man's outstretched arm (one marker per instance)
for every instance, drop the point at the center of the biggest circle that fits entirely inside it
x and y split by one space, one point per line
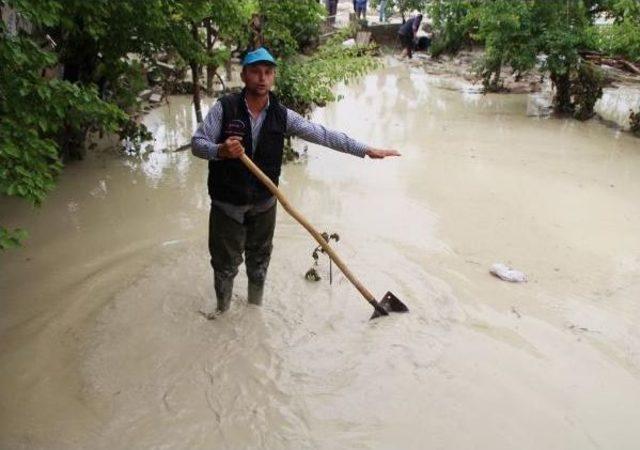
318 134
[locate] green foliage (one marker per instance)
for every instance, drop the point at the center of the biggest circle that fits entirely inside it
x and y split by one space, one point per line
39 13
562 27
623 9
515 32
506 28
618 39
291 25
229 19
35 111
402 6
11 238
127 80
303 82
562 30
453 22
102 46
586 89
405 6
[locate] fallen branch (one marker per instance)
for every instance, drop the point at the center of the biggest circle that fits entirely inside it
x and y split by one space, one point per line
631 66
617 62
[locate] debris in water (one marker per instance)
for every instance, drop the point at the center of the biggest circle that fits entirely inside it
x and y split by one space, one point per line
579 329
312 275
155 98
506 273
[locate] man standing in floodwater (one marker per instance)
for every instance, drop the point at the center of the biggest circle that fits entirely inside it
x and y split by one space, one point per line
243 212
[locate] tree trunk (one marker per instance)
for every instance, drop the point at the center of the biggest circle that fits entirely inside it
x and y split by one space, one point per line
196 79
71 143
211 69
562 101
257 38
495 83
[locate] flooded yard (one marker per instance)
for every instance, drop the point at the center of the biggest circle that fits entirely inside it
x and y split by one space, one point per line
102 344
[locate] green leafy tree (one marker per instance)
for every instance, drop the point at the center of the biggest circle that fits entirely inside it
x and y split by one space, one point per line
35 111
73 72
622 37
46 115
304 82
453 23
404 7
562 30
289 26
515 32
506 28
195 26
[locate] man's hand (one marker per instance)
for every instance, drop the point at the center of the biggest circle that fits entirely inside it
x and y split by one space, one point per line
375 153
231 148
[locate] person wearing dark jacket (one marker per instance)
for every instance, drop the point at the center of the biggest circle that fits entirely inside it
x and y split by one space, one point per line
243 211
407 34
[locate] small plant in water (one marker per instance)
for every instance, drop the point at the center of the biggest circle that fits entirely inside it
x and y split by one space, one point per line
312 273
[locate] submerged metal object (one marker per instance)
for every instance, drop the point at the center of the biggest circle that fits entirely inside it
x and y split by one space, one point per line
389 303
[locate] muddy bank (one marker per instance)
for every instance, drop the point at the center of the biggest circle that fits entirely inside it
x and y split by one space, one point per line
620 96
102 346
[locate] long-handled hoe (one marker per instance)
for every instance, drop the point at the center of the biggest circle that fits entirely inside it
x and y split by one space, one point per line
389 303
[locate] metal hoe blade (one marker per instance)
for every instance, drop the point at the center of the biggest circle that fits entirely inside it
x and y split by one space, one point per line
389 303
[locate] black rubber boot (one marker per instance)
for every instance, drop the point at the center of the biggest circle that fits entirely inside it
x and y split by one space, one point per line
224 289
255 293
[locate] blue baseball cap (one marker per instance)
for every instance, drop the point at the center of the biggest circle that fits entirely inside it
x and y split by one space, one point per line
260 55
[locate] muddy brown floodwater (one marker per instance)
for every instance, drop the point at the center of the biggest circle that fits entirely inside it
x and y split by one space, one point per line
102 345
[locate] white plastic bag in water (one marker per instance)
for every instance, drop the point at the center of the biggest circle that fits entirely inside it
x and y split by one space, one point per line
506 273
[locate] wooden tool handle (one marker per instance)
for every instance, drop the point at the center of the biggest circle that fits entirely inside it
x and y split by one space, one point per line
316 235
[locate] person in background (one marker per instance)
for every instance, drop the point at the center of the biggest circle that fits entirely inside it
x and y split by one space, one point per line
243 211
407 34
361 9
332 10
383 11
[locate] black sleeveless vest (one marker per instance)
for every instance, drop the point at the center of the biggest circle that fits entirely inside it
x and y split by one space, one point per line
229 180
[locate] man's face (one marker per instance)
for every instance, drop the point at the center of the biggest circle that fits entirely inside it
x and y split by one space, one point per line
258 78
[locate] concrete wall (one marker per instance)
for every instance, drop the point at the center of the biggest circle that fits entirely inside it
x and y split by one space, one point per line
385 34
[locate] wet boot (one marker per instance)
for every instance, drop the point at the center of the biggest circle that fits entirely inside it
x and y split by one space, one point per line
223 288
255 293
